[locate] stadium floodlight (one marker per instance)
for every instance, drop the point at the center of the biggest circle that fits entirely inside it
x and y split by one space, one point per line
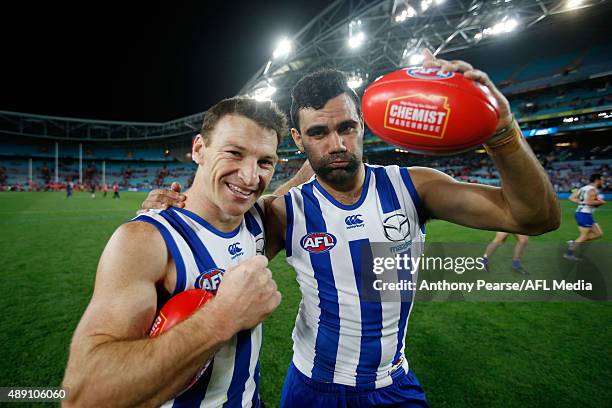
505 26
356 36
356 40
354 81
573 4
408 12
265 93
425 4
282 49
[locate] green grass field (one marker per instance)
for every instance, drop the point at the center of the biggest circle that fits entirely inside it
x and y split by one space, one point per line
466 354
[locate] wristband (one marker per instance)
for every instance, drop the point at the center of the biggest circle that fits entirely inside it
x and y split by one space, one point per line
506 140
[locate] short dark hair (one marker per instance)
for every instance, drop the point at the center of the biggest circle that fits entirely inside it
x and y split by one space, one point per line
265 113
595 177
315 89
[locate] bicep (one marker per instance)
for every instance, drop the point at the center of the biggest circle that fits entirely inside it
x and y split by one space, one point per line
472 205
124 302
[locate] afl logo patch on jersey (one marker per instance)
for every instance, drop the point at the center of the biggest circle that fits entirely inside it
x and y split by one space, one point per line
318 242
429 73
210 280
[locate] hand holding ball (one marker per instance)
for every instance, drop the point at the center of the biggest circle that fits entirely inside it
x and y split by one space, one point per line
430 111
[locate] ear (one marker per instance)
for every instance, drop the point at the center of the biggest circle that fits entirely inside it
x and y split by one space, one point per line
197 150
362 121
297 139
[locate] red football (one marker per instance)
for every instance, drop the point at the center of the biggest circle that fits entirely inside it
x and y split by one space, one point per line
177 309
430 111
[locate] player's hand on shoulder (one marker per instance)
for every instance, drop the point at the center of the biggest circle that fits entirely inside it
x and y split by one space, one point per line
160 199
248 294
505 114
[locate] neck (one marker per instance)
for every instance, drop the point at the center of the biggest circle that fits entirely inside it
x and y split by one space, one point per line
348 192
197 202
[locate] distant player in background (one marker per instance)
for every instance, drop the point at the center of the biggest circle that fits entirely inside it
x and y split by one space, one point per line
587 199
500 238
69 188
105 189
115 190
92 187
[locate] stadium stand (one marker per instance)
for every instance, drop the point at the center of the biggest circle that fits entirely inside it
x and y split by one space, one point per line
133 168
562 101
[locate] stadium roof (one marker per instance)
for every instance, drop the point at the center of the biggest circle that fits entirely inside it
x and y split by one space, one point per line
363 38
367 39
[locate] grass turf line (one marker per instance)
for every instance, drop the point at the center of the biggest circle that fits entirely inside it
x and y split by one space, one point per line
465 354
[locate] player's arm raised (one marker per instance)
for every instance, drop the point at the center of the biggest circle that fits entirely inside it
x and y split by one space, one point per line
112 360
526 203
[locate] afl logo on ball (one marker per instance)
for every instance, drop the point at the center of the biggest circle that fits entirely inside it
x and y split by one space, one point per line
318 242
429 73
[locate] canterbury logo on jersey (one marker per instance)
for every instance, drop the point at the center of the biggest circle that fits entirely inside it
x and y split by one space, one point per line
318 242
210 280
354 221
234 250
396 227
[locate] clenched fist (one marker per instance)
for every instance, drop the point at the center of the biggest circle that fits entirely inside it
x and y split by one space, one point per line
248 293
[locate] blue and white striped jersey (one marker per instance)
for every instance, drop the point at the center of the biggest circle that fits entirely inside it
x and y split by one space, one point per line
339 337
200 252
582 196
